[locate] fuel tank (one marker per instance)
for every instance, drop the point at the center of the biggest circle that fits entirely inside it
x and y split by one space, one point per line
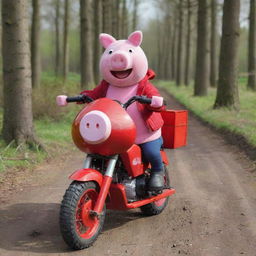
103 127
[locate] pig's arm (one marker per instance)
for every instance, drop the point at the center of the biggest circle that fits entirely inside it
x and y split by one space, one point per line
151 91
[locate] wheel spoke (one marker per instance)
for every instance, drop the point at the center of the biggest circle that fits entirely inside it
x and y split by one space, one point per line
88 220
86 224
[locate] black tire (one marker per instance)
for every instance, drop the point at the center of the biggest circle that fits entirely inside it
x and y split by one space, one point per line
78 199
157 207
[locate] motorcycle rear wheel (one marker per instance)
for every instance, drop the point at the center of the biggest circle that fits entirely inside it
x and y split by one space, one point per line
158 206
78 228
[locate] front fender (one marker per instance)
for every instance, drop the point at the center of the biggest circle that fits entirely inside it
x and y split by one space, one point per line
87 174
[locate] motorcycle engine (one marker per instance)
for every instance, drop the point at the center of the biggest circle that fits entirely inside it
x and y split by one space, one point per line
135 188
130 189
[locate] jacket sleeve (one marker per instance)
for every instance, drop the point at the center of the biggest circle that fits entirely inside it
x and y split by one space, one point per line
97 92
152 91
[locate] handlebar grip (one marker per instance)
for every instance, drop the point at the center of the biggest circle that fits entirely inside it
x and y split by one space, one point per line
79 98
144 100
140 99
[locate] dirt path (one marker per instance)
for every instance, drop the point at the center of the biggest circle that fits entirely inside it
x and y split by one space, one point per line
212 213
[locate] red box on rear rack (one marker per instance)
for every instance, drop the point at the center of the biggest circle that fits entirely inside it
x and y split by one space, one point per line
174 130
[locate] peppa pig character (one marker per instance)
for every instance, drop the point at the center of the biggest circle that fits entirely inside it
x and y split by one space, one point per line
125 72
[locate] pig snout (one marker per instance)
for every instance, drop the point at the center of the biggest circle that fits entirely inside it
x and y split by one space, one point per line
120 61
95 127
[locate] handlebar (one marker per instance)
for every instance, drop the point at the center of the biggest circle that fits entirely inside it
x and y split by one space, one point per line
80 98
140 99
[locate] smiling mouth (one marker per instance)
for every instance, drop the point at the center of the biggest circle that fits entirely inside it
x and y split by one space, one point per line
121 74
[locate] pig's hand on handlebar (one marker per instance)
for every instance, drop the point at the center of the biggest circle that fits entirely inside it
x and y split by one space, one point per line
157 102
61 100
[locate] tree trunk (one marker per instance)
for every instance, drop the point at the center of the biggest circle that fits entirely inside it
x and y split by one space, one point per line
124 21
227 91
168 37
57 37
35 44
202 70
251 48
1 61
188 44
86 44
115 18
97 31
174 46
160 50
213 62
107 16
135 15
18 118
65 41
179 78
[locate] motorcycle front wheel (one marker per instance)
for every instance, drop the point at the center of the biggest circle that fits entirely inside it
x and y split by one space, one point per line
78 227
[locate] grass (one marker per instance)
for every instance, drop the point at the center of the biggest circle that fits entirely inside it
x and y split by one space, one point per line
52 125
55 136
241 122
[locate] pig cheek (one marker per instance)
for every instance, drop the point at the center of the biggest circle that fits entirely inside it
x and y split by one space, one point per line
140 67
105 68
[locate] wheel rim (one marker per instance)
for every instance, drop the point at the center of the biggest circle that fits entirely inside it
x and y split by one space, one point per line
86 225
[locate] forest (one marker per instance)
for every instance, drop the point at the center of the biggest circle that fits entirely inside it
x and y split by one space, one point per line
192 193
197 48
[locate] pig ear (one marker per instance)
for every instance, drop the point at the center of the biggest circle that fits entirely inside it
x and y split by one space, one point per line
106 40
135 38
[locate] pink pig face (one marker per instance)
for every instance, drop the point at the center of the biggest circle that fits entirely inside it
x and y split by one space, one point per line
123 63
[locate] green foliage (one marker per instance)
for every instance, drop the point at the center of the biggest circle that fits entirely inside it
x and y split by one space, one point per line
241 123
44 96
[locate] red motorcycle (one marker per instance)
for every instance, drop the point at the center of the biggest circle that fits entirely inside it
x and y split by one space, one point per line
114 175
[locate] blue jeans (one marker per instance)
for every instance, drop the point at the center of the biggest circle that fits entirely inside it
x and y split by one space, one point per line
151 153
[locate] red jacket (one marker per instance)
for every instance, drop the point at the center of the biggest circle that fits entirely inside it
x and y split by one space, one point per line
151 116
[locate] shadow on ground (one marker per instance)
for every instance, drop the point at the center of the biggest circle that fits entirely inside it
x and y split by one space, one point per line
34 227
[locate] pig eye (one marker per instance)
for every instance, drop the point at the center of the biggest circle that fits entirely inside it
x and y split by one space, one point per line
130 50
110 52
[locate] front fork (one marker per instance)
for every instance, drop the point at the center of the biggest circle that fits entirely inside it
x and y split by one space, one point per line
104 189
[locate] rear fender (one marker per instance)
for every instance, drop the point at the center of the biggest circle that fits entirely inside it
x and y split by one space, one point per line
87 174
